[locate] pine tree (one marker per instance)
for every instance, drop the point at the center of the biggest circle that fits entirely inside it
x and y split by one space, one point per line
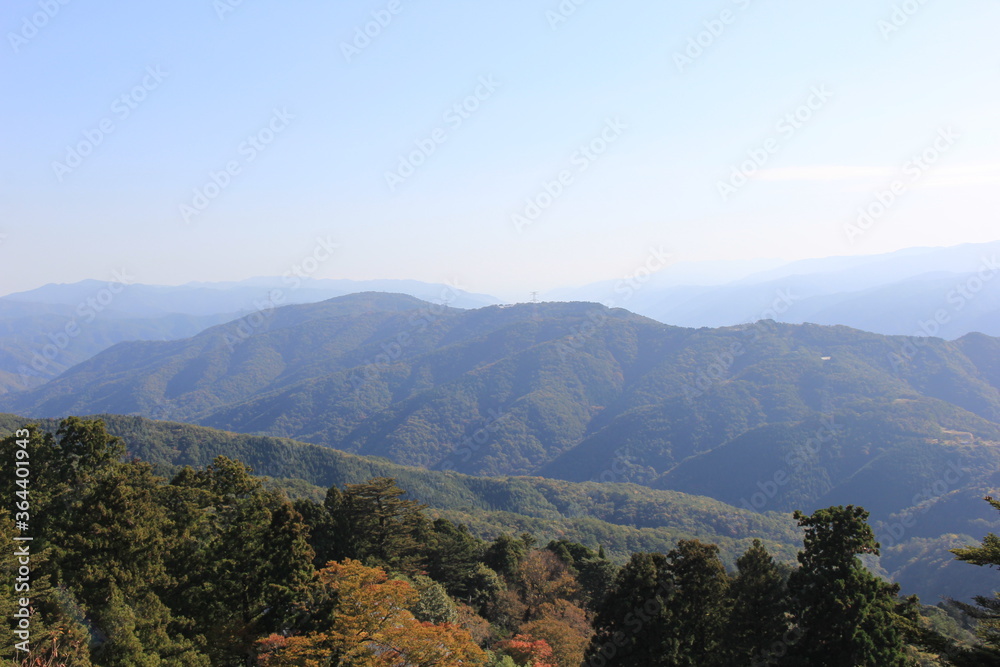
698 606
987 609
383 526
844 613
453 557
757 628
629 626
251 558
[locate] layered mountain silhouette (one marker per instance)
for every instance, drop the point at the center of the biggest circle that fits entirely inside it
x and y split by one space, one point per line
764 417
47 330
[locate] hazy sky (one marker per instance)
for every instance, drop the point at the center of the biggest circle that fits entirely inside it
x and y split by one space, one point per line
117 115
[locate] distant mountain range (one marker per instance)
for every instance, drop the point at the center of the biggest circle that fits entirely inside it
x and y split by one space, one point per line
47 330
765 417
946 292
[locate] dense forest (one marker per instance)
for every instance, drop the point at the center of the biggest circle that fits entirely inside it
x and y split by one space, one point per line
215 566
767 418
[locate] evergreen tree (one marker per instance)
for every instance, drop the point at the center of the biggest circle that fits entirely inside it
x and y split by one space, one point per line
505 554
382 525
325 539
593 571
986 610
629 626
453 557
698 605
758 618
844 613
253 555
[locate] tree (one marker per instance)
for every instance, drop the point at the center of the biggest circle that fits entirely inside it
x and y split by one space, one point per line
57 638
629 623
453 557
326 538
252 555
541 580
698 605
758 617
101 547
527 650
845 615
505 554
369 625
382 526
593 571
986 610
433 605
565 628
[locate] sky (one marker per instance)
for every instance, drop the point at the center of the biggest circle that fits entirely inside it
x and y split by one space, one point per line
501 146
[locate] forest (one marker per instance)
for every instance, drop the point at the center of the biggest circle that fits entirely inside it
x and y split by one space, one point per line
215 566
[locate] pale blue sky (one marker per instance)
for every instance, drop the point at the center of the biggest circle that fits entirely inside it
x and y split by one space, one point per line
451 220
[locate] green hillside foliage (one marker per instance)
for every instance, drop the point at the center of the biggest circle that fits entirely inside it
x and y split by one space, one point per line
622 517
211 567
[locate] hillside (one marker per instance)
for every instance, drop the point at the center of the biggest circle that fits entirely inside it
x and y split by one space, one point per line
767 416
624 518
47 330
552 389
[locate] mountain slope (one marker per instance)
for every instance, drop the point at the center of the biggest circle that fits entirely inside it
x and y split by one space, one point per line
547 388
621 517
766 417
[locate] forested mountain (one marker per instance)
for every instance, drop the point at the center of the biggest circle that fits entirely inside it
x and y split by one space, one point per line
620 517
46 330
211 565
766 416
40 341
623 518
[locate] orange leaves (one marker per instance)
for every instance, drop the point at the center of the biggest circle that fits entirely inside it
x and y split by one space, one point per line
371 627
526 650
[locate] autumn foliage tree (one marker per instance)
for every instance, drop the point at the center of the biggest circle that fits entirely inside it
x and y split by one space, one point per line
368 624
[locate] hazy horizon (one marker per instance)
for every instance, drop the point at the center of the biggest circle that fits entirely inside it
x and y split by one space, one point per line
506 148
740 270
